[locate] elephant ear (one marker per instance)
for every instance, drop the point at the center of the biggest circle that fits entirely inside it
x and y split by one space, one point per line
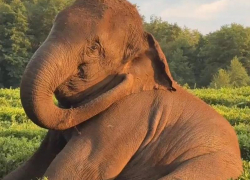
162 73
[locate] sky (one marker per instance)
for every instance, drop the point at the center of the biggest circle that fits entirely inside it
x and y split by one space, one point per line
203 15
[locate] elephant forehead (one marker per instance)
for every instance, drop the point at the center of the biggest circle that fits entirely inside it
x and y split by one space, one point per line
79 21
91 8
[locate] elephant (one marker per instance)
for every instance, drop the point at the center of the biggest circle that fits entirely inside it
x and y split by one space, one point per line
121 115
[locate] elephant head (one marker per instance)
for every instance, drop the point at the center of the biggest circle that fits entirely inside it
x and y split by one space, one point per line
96 53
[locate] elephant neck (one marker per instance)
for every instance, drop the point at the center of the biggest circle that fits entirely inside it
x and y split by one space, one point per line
148 84
144 75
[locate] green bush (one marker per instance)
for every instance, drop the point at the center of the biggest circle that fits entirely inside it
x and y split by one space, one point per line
243 132
246 173
14 151
239 97
10 94
234 115
15 115
17 144
18 132
243 91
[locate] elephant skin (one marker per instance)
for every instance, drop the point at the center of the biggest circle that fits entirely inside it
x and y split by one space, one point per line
121 115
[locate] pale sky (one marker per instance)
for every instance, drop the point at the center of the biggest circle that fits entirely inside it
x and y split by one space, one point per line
204 15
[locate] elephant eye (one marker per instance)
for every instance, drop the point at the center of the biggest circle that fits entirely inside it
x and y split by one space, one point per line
94 47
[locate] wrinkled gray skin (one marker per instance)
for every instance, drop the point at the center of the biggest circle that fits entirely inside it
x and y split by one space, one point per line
121 115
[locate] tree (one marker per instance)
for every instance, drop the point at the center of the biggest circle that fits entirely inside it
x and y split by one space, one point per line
41 15
192 57
221 79
24 25
238 74
180 68
235 76
221 46
14 43
162 30
179 46
184 64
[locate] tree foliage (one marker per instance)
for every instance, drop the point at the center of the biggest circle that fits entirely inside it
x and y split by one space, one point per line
24 25
221 47
238 74
194 59
235 76
179 45
221 80
14 43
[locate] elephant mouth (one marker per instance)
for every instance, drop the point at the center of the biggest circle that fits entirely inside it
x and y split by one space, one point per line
90 94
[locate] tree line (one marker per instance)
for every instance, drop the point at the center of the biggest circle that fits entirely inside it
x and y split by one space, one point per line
218 59
199 60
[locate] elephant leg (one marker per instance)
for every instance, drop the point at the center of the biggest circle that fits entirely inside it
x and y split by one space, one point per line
206 167
104 147
36 166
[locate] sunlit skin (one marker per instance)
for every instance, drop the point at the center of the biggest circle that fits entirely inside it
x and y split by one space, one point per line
120 115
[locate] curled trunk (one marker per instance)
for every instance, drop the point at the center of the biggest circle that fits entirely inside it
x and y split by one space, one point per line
49 67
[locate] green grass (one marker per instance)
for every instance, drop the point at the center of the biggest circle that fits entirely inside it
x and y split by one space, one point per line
19 137
239 97
234 114
246 173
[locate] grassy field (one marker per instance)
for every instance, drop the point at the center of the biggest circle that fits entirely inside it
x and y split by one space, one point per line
19 138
